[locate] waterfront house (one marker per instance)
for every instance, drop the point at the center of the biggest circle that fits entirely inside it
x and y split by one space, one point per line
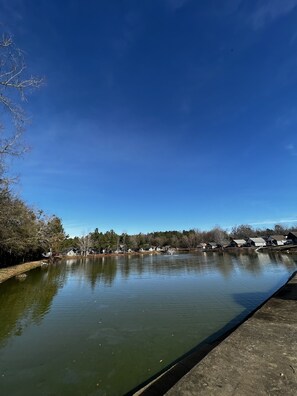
71 252
293 237
257 242
212 245
276 240
202 245
237 242
224 244
122 248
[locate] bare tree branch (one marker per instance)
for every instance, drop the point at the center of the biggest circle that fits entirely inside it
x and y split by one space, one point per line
15 85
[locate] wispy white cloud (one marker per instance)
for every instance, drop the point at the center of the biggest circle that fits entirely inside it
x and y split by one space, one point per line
174 5
185 106
268 11
232 5
130 30
275 221
226 7
287 119
269 222
293 38
292 149
13 9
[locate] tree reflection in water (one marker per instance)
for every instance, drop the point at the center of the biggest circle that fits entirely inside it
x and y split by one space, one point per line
24 303
116 317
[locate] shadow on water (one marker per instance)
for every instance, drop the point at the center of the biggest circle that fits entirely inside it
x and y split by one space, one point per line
171 374
249 300
288 292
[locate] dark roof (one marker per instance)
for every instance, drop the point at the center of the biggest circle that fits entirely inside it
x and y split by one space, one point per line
257 240
278 237
293 233
239 241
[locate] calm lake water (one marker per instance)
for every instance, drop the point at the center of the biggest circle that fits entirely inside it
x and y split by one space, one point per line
103 326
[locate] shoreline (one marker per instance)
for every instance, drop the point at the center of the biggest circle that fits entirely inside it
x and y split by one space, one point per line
99 255
18 269
245 250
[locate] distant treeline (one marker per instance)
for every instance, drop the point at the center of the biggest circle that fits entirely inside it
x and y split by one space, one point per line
26 233
111 241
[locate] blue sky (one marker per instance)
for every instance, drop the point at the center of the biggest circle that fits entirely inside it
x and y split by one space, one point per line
160 114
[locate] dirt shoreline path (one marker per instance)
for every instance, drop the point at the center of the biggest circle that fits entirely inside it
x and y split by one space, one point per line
10 272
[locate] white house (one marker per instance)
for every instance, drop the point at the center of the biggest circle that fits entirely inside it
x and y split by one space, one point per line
212 245
71 253
237 242
257 242
277 240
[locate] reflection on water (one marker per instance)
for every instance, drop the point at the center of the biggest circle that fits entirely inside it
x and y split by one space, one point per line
106 268
22 304
102 326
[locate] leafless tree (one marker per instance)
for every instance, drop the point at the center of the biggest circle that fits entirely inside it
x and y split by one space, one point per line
220 236
85 244
15 85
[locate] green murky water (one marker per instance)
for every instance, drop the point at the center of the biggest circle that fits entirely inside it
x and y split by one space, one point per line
102 327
